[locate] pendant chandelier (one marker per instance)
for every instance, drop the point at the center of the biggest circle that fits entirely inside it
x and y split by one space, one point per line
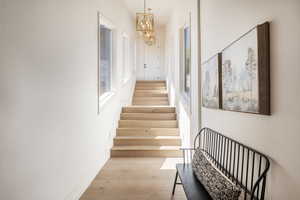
149 38
145 25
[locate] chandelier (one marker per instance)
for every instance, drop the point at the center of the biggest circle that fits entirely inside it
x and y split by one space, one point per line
149 38
145 25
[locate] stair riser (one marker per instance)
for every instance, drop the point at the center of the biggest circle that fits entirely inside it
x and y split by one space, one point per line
151 85
148 116
150 88
147 142
148 132
151 91
164 99
147 124
157 103
151 81
150 99
148 110
150 95
146 153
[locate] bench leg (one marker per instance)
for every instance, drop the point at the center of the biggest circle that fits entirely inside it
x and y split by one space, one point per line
175 183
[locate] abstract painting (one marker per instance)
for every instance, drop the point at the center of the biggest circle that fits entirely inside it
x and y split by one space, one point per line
211 83
245 73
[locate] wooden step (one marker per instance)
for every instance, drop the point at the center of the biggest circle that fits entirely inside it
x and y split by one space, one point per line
154 103
150 87
148 116
148 84
150 81
148 124
151 98
156 85
147 132
147 94
147 141
152 109
151 91
146 151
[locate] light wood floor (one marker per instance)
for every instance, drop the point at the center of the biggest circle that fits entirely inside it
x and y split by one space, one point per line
135 179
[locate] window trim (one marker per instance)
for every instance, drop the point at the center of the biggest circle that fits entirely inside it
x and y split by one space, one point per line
185 98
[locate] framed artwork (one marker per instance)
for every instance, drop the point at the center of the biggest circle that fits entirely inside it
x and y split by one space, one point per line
186 59
211 90
246 73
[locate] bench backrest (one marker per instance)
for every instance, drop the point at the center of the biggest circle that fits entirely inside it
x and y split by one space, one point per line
245 166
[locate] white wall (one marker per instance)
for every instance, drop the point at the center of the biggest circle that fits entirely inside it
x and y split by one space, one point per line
52 142
188 112
277 135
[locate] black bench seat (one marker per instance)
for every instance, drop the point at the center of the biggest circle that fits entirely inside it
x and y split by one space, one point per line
243 166
193 189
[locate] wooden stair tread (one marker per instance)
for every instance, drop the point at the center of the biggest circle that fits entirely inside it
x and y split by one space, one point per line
147 137
146 121
147 132
150 95
151 91
155 148
145 109
148 116
151 103
150 81
150 88
152 98
147 141
148 129
149 123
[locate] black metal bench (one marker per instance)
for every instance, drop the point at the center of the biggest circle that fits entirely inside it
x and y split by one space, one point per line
243 165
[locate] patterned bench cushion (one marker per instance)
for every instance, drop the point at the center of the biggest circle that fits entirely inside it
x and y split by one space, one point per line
215 182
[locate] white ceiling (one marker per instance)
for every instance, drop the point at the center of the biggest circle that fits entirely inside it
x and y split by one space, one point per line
161 9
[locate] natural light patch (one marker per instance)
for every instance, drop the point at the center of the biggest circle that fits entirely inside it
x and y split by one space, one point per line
171 94
170 163
184 124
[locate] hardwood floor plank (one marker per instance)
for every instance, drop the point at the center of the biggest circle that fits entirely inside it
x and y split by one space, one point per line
135 179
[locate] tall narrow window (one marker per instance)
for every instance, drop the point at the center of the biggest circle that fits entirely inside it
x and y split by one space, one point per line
187 61
105 61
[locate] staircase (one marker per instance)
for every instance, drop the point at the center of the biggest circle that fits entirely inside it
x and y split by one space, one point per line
149 127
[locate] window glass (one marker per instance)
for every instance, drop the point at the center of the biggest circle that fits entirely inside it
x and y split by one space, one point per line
105 59
187 61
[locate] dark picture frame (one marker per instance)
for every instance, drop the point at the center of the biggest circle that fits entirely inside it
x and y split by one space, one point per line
263 35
